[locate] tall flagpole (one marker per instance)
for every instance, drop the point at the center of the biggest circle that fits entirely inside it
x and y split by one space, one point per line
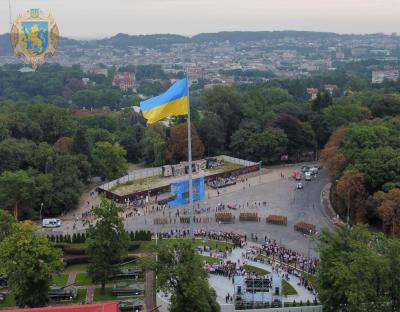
190 162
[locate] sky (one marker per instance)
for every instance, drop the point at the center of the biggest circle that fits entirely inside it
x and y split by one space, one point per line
85 19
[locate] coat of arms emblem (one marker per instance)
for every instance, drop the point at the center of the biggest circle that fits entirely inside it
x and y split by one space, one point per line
34 36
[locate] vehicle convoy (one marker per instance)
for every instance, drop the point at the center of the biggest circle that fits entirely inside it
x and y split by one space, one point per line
51 223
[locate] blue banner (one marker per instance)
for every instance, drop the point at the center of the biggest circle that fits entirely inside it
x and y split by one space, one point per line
180 190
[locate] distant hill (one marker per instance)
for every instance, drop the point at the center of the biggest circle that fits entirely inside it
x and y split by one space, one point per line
243 36
123 41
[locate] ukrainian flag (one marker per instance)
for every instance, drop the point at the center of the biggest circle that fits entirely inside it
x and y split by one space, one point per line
174 102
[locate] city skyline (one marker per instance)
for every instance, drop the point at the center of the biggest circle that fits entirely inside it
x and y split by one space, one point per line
190 17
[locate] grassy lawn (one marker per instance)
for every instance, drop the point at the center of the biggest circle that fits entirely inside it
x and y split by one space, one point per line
106 296
82 279
76 267
140 184
221 245
253 269
8 302
288 289
210 260
227 166
310 277
60 280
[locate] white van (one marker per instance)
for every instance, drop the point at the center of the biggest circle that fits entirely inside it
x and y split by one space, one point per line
51 223
308 176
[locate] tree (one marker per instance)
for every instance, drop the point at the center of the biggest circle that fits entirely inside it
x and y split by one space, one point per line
212 133
20 126
17 192
226 103
251 143
330 156
64 144
54 122
154 145
389 210
181 273
270 145
6 222
97 134
351 190
130 140
81 144
336 116
178 144
322 101
30 262
356 271
106 243
109 160
299 135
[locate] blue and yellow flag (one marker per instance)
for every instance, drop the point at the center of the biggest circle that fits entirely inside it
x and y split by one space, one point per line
174 102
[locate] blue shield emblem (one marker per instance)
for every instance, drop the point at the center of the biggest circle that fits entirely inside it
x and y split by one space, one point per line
35 36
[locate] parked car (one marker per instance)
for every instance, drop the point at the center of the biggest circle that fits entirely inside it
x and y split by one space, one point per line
51 223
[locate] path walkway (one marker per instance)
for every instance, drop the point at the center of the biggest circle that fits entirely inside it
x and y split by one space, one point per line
149 291
71 278
90 294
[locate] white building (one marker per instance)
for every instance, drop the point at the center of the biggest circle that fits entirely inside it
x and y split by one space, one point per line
378 76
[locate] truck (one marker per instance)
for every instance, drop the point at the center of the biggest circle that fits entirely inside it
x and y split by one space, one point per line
51 223
307 176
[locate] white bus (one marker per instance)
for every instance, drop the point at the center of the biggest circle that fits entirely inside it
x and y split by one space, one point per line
51 223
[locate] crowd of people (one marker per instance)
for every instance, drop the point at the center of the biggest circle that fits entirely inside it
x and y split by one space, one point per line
293 258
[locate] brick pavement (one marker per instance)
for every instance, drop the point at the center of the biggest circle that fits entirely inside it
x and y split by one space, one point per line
149 291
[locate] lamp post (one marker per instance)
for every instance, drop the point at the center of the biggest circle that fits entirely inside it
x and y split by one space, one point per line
40 212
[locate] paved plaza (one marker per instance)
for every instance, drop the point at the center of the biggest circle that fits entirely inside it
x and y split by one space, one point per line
274 186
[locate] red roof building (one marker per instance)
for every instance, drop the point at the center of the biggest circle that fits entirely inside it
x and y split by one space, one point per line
105 307
124 81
